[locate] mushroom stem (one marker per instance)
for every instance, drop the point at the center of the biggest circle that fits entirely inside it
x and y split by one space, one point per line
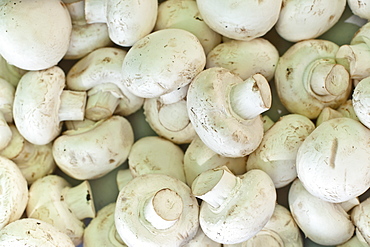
76 10
95 11
252 97
163 209
79 200
355 59
5 132
72 105
214 186
328 78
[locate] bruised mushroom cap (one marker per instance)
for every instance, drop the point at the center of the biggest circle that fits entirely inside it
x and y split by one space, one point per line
33 233
329 159
162 61
41 30
241 20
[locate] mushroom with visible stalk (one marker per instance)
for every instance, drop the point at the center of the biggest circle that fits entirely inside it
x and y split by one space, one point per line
323 222
41 30
41 104
178 57
184 14
34 161
308 78
245 58
153 154
234 209
127 21
360 8
360 216
10 73
198 158
84 37
32 233
14 192
101 230
276 155
163 212
53 200
225 110
99 73
324 156
241 20
94 151
308 19
7 91
361 101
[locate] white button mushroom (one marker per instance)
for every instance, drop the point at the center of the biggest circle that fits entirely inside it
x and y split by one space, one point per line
33 233
34 35
162 61
326 114
241 20
308 19
360 8
53 200
201 240
225 110
360 216
361 101
308 78
347 110
128 21
41 104
7 91
156 210
14 192
123 177
234 209
92 152
10 73
330 158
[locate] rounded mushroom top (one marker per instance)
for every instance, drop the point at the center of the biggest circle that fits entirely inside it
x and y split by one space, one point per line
41 30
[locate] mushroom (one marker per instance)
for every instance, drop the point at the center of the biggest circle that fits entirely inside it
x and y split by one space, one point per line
225 110
198 158
34 35
92 152
127 21
323 158
361 101
201 240
14 192
355 241
360 8
123 177
6 112
184 14
308 78
41 104
53 200
245 58
84 37
10 73
241 20
234 209
163 212
101 230
32 232
178 57
360 216
301 20
153 154
347 109
326 114
321 221
99 73
276 155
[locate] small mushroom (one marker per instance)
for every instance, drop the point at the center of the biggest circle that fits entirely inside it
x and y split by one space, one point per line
360 8
14 192
324 156
41 104
361 101
308 19
308 78
360 216
53 200
34 35
178 57
6 112
92 152
127 21
241 20
225 110
163 212
234 209
326 114
33 232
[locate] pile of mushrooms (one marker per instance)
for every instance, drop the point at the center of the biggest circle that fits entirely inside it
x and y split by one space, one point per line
184 123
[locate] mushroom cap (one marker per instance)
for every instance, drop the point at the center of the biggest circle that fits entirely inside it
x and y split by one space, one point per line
241 20
330 158
14 192
360 216
178 57
7 92
361 101
40 29
360 8
308 19
131 224
33 233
